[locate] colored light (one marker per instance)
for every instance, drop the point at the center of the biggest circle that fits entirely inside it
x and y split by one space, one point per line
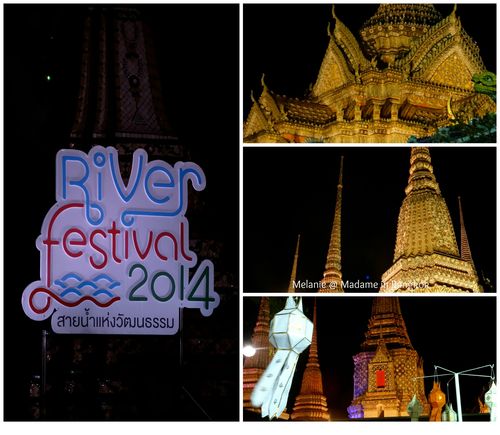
249 350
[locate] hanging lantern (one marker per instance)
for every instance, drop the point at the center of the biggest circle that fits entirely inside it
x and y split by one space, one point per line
437 399
414 408
490 398
290 333
449 414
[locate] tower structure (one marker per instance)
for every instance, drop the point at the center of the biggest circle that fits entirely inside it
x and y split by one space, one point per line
408 70
293 275
426 256
254 366
465 253
310 404
386 368
120 102
332 277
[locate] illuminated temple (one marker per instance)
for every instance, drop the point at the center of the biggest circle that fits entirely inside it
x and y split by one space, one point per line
409 72
255 365
120 100
332 277
426 256
310 404
386 368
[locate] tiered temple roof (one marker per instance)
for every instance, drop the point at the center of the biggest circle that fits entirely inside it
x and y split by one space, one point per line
387 368
409 70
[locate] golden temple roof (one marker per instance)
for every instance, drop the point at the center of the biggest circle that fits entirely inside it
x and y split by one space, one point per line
422 14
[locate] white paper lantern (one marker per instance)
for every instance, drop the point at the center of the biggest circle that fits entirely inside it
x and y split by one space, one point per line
449 414
490 398
290 333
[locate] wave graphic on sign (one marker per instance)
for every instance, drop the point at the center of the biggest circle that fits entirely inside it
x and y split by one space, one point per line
74 284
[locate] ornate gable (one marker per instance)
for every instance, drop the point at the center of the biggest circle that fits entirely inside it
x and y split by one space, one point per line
256 121
343 60
451 70
381 371
445 55
334 71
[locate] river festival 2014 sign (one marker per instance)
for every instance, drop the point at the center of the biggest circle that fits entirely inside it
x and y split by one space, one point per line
115 258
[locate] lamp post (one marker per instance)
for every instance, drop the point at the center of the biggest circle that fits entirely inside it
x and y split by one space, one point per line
456 376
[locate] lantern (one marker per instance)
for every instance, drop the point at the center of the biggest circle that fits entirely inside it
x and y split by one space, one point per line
490 398
414 408
290 333
449 414
437 399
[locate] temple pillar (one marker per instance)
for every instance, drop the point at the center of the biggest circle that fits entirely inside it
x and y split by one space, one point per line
394 111
376 111
340 113
357 112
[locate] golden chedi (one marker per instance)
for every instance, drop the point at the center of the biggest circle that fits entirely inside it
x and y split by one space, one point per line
310 404
332 276
406 75
255 365
426 256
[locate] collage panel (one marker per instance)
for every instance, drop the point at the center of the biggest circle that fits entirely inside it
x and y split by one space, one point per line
370 219
411 232
369 73
122 297
369 358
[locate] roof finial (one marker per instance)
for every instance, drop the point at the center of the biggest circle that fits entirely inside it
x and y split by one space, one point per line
451 115
263 83
333 12
293 276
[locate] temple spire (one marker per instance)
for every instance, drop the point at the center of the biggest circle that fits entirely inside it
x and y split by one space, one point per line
310 404
293 276
464 241
388 371
254 366
332 277
386 323
426 255
120 100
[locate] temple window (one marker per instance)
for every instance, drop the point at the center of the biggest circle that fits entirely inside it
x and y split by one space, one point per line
380 378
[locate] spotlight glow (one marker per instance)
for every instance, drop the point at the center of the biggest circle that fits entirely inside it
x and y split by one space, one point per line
249 350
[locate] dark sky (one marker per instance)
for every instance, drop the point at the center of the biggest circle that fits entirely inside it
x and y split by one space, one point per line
457 333
288 191
198 60
288 42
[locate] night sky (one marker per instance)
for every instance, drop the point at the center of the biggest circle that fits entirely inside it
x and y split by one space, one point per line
457 333
198 64
288 42
291 191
